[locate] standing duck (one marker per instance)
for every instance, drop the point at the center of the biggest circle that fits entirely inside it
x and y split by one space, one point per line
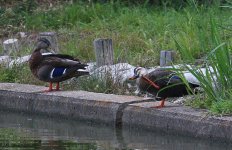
161 83
54 68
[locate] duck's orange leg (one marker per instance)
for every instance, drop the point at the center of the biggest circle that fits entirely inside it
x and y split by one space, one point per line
50 88
161 104
57 86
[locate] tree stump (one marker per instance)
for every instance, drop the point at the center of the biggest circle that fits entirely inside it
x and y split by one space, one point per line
104 52
10 45
166 57
52 37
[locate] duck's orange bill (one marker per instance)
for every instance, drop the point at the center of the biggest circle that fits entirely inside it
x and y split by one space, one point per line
132 78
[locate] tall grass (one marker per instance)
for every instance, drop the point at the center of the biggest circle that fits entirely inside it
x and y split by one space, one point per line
216 79
98 85
139 32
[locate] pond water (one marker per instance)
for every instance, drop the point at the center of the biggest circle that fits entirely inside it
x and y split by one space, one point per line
20 131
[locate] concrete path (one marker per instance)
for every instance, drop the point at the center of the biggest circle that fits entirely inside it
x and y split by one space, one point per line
117 110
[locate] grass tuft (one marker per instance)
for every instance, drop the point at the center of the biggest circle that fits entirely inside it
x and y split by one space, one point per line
215 79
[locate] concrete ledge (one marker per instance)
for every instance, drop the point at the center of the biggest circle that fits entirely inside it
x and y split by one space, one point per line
180 120
118 110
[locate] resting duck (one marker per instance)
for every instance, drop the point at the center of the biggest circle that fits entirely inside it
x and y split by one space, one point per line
54 68
161 83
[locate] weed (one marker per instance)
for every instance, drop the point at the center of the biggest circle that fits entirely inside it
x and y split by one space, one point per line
18 74
97 84
215 79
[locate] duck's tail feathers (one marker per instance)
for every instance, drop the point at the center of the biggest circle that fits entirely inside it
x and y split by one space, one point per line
81 66
81 70
196 88
82 73
194 85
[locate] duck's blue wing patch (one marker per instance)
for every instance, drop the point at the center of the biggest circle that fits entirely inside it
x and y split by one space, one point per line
57 72
175 77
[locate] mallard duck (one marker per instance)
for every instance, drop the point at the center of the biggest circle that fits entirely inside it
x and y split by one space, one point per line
54 68
161 83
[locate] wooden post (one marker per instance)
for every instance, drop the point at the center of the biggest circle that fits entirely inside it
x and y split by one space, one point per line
104 52
9 46
166 57
52 37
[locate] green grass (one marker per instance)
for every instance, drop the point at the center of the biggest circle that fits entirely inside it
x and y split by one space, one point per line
18 74
137 31
98 85
217 79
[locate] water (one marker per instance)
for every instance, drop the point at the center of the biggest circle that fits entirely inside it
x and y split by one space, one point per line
21 131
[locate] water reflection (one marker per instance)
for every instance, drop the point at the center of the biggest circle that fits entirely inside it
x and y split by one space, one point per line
46 133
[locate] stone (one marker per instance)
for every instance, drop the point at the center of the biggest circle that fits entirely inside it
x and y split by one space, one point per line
22 34
4 60
19 60
10 45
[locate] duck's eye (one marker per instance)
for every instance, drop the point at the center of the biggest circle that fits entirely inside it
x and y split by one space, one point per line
138 71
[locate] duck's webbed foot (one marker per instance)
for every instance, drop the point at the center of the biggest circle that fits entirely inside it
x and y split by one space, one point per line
161 104
50 89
